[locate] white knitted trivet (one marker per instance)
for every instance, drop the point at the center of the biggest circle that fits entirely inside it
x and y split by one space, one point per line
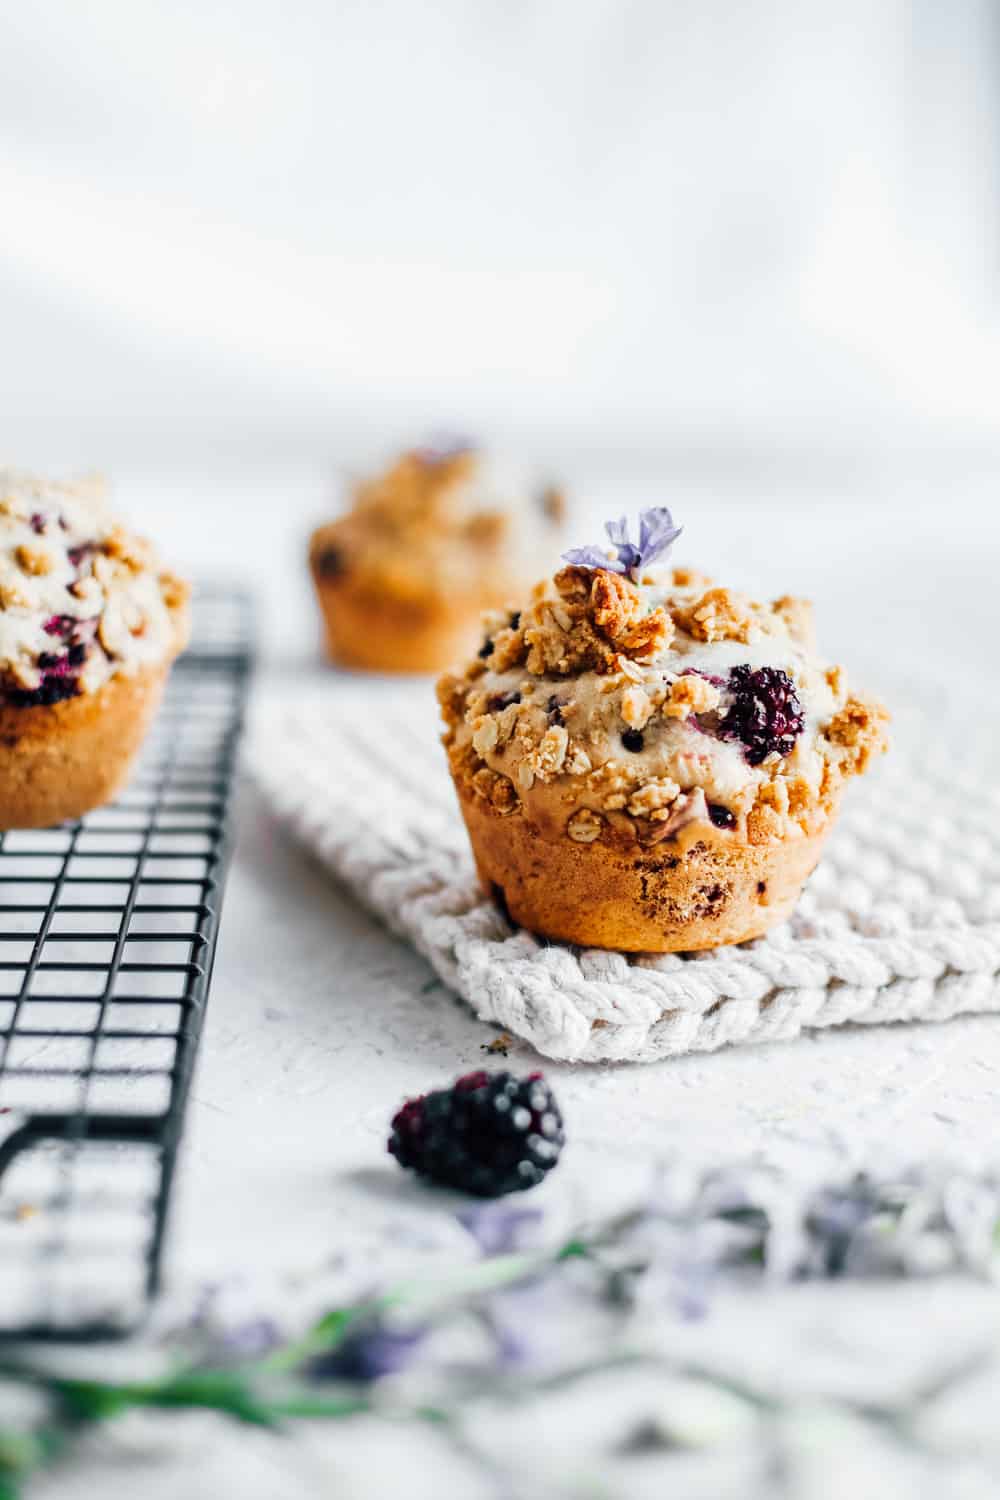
901 921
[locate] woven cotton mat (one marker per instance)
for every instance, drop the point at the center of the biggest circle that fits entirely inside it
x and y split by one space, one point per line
900 922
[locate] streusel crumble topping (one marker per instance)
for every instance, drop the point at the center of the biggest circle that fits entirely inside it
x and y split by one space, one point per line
81 598
440 521
627 705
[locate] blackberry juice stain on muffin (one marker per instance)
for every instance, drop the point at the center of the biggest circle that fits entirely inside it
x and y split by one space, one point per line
403 578
681 796
89 624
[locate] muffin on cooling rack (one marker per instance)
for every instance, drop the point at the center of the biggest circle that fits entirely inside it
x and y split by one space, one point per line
426 547
89 625
646 761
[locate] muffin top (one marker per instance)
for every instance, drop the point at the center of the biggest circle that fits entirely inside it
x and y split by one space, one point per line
81 598
629 702
441 521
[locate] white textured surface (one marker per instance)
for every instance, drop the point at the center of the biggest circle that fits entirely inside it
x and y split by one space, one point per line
897 924
320 1021
656 225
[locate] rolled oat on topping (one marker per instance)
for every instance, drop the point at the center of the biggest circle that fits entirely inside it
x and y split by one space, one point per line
584 826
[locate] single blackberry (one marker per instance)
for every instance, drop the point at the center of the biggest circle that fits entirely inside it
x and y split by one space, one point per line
489 1134
632 740
765 714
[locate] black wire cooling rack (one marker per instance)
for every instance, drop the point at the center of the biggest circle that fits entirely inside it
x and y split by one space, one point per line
107 938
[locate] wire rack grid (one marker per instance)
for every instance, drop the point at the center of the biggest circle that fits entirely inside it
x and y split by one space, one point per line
107 940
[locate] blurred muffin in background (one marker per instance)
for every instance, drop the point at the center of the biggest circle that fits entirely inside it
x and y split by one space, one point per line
444 534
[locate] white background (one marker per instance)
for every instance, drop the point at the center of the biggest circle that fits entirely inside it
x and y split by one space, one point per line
716 235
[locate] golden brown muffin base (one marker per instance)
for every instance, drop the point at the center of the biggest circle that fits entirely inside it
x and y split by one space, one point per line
59 760
701 890
384 634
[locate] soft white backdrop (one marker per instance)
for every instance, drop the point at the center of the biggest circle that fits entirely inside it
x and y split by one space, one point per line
238 230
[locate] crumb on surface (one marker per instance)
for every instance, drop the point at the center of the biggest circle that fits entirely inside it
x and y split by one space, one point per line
500 1045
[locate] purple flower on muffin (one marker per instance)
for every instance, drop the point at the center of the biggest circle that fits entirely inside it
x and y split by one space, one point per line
442 446
657 534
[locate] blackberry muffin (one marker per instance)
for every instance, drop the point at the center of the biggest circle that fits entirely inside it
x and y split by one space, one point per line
646 761
89 625
404 577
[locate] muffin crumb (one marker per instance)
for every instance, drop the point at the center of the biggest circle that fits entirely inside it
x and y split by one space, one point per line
860 728
636 707
551 753
653 797
132 551
718 615
36 561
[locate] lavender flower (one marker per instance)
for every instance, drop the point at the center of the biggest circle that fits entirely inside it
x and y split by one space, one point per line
251 1340
657 534
497 1229
839 1221
368 1352
442 446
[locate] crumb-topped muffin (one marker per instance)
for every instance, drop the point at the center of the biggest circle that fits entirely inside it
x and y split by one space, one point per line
89 625
648 761
426 547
